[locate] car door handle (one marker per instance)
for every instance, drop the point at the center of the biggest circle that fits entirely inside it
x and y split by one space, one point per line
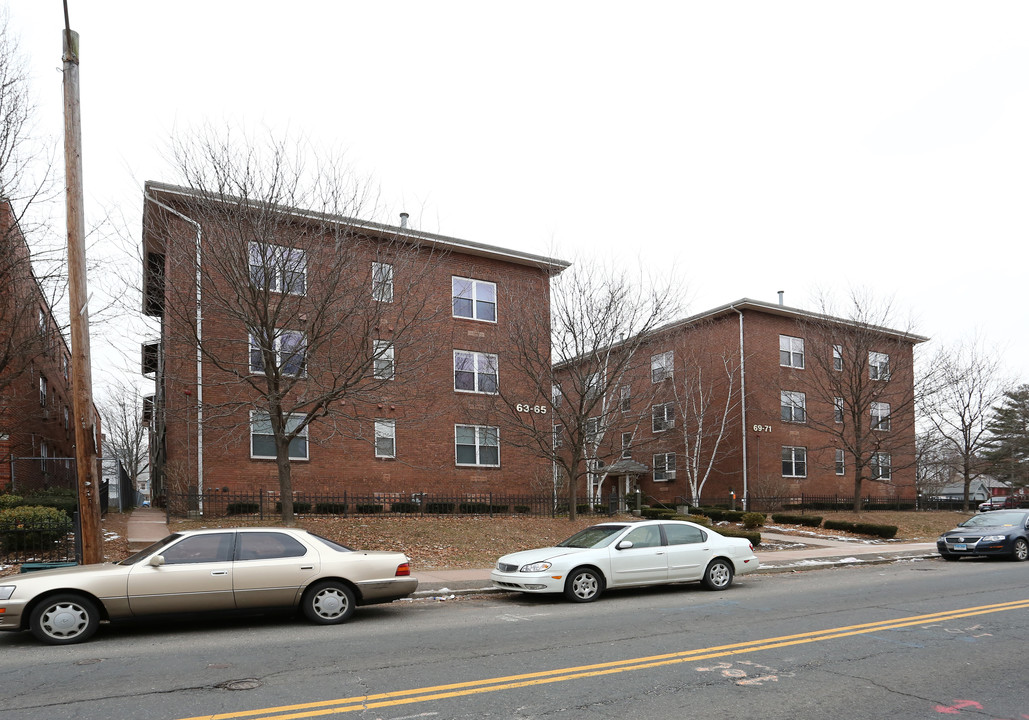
219 572
307 567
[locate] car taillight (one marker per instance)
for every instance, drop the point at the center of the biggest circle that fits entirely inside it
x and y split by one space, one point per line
403 570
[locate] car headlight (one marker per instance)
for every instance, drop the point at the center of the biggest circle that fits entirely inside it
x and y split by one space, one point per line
994 538
6 591
534 567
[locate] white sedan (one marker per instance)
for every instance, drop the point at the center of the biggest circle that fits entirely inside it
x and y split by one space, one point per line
632 554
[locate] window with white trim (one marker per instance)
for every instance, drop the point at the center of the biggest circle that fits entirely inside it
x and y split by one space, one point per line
477 445
594 381
474 299
624 398
794 462
837 358
791 352
593 430
42 389
840 462
382 359
664 467
382 282
262 439
793 406
276 268
837 409
880 466
662 366
878 366
385 438
626 444
880 416
290 348
559 431
475 372
662 417
555 395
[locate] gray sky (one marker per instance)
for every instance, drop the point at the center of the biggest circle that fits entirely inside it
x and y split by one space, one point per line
753 146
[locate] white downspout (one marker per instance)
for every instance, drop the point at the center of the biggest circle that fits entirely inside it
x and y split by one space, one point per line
743 405
200 365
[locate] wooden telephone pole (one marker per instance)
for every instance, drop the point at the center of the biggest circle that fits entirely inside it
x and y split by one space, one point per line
82 382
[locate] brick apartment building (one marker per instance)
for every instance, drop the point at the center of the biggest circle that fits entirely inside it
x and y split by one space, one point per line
37 441
423 318
761 400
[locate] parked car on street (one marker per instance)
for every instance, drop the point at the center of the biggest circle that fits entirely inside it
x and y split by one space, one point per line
206 571
1001 532
613 555
999 503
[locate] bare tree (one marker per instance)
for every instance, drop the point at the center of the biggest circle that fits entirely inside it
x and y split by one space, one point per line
125 431
300 310
707 398
579 356
958 402
863 371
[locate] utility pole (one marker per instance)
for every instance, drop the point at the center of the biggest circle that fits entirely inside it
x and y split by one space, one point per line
82 383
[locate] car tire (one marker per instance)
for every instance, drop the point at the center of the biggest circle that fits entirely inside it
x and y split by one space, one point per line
64 619
584 585
328 603
1020 552
718 575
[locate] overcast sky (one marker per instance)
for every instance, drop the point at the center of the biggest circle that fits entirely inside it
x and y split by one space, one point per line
753 146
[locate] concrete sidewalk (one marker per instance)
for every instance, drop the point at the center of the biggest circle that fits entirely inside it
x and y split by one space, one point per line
148 525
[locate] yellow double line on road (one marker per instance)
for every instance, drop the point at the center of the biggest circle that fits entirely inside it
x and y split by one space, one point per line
474 687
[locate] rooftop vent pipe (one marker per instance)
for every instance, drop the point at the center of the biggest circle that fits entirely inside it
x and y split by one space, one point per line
403 219
781 293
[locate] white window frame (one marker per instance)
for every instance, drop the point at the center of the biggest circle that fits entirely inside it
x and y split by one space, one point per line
662 417
878 366
837 358
481 363
42 390
559 430
383 366
482 435
797 459
626 445
664 467
382 282
841 462
793 347
837 410
880 412
279 335
662 366
793 406
260 416
475 299
386 429
555 395
280 262
625 398
593 430
881 466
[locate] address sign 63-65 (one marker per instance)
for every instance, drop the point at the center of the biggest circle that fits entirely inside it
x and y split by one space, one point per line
537 409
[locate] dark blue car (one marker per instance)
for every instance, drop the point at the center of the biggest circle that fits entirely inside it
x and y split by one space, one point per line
1002 532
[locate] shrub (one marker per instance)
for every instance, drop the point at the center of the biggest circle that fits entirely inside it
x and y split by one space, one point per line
9 501
718 514
754 537
883 531
299 508
473 508
242 508
522 509
32 527
698 519
405 507
805 520
653 513
66 500
753 520
500 509
330 508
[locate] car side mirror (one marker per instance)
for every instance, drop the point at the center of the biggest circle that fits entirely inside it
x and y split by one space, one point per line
624 545
157 561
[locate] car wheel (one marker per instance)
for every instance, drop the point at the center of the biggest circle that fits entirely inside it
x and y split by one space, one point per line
718 575
584 585
1020 553
329 603
64 619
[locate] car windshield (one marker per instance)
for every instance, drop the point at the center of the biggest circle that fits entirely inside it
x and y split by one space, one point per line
149 550
995 518
593 537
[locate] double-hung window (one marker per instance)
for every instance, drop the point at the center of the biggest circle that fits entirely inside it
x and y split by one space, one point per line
840 462
880 466
663 417
791 352
262 440
477 445
837 358
382 359
794 462
290 347
624 398
593 430
474 299
382 282
837 409
278 269
664 467
385 438
880 416
662 366
626 444
475 372
42 390
878 366
794 406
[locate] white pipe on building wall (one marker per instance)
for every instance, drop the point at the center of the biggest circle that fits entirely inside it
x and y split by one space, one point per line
743 405
200 365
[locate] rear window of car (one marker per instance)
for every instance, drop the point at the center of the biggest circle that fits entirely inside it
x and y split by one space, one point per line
331 543
267 546
684 534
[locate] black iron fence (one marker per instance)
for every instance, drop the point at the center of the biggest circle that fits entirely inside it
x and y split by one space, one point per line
821 503
38 542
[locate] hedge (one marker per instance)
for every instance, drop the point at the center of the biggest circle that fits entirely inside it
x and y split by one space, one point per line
242 508
753 520
32 527
754 537
805 520
330 508
883 531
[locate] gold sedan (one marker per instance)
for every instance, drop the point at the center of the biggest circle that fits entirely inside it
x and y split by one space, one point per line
241 569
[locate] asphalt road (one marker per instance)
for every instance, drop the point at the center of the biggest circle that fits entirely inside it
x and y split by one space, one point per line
916 639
